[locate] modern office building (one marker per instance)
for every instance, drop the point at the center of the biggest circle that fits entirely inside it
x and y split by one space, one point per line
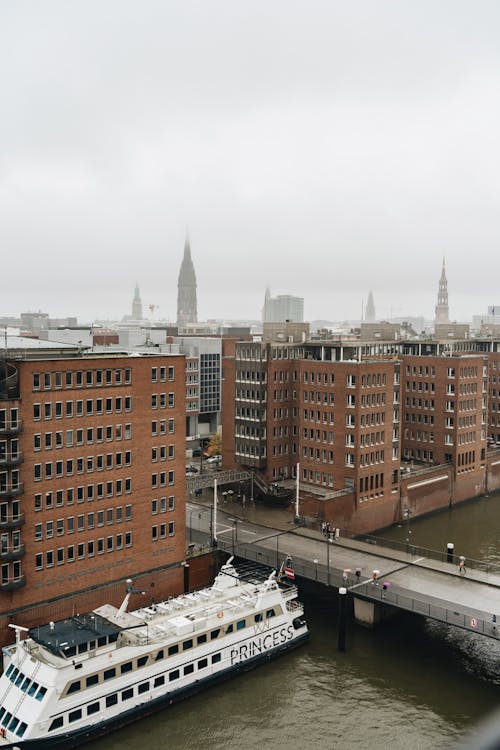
282 308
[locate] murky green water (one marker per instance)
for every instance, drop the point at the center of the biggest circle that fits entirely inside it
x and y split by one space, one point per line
410 684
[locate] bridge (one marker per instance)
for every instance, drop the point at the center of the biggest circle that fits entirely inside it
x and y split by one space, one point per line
381 580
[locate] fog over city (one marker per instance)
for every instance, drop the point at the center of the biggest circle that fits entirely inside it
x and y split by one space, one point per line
325 149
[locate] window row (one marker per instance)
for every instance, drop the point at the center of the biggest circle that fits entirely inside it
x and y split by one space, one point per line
81 378
81 407
80 551
161 373
84 522
162 478
82 465
80 494
89 436
162 400
162 426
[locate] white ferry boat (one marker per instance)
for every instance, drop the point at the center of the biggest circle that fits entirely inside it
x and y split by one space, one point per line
71 681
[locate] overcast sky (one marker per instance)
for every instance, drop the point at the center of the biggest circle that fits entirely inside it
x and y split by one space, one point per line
321 148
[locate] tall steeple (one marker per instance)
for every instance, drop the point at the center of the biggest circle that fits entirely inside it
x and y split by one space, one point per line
442 311
136 304
265 309
370 309
187 311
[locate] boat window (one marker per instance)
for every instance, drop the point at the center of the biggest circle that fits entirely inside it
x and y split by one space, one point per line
101 641
91 645
270 613
109 673
216 658
143 687
159 681
160 655
142 661
56 723
13 724
9 669
41 693
229 628
82 648
214 634
189 669
25 684
174 675
33 688
93 708
21 729
74 687
201 639
126 667
111 700
6 719
2 711
127 694
187 644
19 678
202 663
173 650
75 715
70 651
93 679
113 638
14 674
258 617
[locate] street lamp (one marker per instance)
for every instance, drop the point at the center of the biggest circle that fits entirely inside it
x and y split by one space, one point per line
316 567
328 542
406 515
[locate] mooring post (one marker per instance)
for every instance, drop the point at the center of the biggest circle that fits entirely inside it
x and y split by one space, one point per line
449 552
342 617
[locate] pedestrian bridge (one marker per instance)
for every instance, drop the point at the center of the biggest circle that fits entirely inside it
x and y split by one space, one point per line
407 579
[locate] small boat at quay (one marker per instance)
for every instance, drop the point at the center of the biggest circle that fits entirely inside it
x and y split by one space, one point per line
71 681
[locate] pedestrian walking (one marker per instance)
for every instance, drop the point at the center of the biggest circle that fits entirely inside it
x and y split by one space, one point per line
358 575
461 566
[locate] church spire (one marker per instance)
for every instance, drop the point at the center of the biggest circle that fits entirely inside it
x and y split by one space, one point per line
442 310
136 304
186 290
370 309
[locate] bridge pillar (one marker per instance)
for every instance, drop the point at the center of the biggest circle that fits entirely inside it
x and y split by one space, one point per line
366 613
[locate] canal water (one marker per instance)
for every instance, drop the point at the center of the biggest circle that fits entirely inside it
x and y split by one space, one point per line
411 684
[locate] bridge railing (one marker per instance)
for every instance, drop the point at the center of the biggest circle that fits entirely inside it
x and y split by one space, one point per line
314 570
419 551
473 620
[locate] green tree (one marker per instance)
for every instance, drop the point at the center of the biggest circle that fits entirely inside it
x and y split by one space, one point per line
215 445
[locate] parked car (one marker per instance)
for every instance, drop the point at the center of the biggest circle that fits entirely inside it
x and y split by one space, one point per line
192 469
214 460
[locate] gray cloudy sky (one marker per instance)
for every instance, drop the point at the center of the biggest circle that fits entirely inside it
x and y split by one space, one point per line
323 148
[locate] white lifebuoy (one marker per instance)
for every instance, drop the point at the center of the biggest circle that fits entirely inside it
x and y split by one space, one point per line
220 615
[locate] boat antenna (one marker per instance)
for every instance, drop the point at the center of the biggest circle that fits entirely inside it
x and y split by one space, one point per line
130 591
18 629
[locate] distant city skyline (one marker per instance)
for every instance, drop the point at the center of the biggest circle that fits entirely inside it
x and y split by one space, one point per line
322 150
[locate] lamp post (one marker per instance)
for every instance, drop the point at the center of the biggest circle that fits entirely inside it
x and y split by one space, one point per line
328 542
315 561
406 515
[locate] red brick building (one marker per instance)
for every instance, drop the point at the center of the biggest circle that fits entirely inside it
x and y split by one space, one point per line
92 480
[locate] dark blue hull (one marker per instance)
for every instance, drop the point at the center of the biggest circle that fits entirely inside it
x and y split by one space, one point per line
70 740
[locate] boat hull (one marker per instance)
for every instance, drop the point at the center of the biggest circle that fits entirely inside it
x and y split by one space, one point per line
69 740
